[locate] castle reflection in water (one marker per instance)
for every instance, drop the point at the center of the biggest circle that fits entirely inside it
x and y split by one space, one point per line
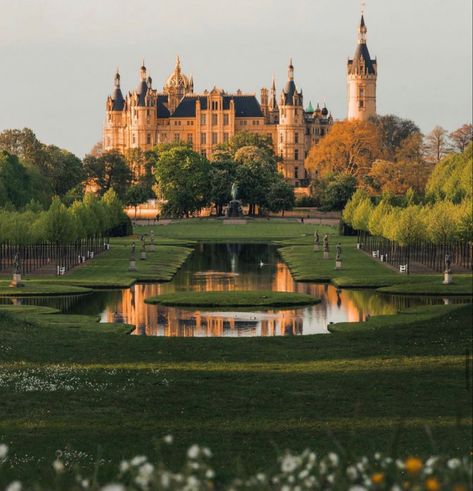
241 273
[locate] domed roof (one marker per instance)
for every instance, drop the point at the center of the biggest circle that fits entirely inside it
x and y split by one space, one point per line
141 92
324 111
177 78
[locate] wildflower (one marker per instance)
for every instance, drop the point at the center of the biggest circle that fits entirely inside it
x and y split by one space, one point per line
210 474
193 451
3 451
432 484
377 478
165 479
14 486
357 488
146 470
113 487
333 457
207 452
352 473
454 464
169 439
459 487
261 477
413 465
303 474
138 460
124 466
58 466
289 463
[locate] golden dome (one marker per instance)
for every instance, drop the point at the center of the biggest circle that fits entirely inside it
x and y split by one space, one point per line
177 78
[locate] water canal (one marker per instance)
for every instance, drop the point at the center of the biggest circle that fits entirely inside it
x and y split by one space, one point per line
225 267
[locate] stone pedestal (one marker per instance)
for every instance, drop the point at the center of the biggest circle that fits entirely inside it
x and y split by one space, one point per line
16 281
132 266
358 246
326 255
338 264
152 247
234 209
316 248
447 278
143 255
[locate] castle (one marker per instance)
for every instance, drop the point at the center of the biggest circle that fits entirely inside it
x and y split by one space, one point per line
146 117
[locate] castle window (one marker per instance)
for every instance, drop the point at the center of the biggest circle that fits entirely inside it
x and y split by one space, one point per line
362 92
281 138
189 137
148 139
214 138
203 138
108 141
214 119
296 172
133 138
255 123
203 119
225 137
361 104
225 120
296 137
203 153
296 155
147 113
177 137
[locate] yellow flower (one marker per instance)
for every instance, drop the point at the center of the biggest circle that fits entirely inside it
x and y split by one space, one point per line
377 478
431 484
413 465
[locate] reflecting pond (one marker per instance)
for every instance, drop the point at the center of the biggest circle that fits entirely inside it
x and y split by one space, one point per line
225 267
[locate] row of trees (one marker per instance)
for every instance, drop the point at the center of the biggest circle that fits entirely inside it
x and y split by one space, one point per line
91 217
187 182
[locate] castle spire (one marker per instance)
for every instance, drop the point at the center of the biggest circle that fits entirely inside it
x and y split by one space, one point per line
143 70
117 78
290 70
362 30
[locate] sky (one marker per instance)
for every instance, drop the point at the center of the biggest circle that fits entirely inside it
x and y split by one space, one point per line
58 57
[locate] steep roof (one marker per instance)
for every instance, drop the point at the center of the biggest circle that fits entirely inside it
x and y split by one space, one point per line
163 111
118 102
245 106
362 53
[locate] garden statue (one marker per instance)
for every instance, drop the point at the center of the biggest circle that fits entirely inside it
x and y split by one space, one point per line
338 257
16 280
152 246
447 275
316 241
234 207
132 265
143 251
326 247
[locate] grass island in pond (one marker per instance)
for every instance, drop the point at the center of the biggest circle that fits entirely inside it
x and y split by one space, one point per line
234 299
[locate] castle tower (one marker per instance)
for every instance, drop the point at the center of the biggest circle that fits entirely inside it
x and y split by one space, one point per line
177 86
291 130
362 76
115 119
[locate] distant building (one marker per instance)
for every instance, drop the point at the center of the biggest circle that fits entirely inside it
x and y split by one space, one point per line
146 117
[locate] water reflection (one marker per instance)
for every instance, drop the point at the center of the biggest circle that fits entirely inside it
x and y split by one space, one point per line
226 267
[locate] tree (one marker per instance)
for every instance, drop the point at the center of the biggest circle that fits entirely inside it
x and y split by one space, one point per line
280 195
222 176
349 148
182 181
394 131
58 223
225 151
135 196
462 137
337 192
254 175
410 149
62 168
108 171
15 183
349 210
24 144
436 145
409 228
362 214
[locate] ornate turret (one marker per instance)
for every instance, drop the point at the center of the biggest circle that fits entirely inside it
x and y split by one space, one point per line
289 95
177 86
117 100
362 76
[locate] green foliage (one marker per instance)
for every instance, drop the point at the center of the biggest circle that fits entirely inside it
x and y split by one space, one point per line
182 178
352 205
222 176
280 196
58 223
15 183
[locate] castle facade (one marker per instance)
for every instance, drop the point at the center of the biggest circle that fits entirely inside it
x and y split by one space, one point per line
146 117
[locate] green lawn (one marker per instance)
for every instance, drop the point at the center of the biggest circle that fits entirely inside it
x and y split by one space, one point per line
36 288
233 299
247 399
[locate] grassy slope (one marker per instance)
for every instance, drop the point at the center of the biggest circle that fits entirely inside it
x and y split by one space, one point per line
233 299
248 399
110 269
36 288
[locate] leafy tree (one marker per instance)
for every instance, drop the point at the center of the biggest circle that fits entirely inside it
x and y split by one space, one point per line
280 195
349 148
394 132
409 228
442 222
358 197
15 183
222 176
376 222
182 181
462 137
410 149
24 144
58 223
361 215
254 176
136 195
226 151
62 168
338 191
110 170
436 145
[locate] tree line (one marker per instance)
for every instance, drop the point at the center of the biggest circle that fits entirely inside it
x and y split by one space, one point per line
444 214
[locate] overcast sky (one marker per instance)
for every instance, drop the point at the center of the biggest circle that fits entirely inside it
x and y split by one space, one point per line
58 57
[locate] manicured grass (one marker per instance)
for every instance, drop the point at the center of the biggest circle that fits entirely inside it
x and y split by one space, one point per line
361 271
247 399
110 268
255 230
36 288
233 299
